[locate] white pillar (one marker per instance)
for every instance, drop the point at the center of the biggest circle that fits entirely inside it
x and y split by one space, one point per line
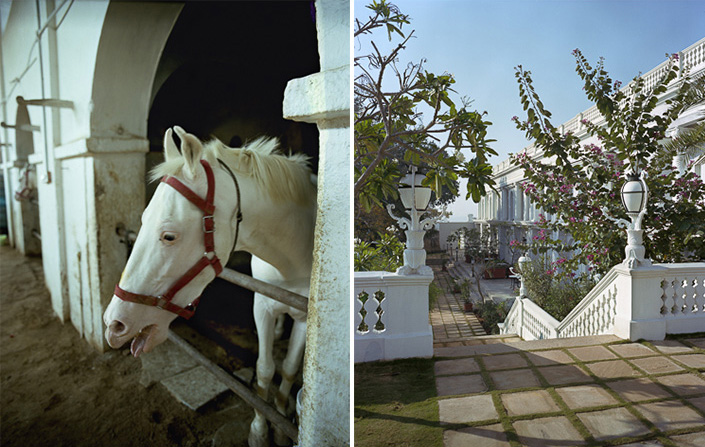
324 98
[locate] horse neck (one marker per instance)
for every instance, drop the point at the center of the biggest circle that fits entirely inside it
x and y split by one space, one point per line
279 233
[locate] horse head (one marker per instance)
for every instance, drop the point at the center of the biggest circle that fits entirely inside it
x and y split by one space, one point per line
171 262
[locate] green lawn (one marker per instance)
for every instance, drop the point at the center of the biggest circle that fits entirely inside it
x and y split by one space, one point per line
396 404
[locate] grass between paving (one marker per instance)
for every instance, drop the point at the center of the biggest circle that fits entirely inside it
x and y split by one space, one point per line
572 415
396 404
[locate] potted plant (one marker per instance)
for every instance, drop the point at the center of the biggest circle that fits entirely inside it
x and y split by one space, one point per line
465 294
495 269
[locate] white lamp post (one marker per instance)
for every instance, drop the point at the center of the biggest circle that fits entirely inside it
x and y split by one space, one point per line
523 262
634 195
415 199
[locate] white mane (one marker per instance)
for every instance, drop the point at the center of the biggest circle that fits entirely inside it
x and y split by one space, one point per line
285 177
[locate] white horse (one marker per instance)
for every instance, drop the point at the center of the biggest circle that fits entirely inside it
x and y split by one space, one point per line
225 199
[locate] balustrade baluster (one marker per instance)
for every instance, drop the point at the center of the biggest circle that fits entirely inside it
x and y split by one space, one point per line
700 294
379 297
667 296
689 298
362 298
678 299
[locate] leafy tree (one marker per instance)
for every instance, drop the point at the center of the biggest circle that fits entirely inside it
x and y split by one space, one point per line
390 124
581 189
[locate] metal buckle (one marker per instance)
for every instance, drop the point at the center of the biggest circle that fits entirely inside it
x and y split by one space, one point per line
161 302
212 223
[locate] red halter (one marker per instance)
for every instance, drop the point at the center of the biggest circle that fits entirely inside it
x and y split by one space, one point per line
209 257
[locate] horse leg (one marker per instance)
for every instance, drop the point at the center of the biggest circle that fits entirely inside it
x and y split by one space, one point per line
279 327
264 321
290 367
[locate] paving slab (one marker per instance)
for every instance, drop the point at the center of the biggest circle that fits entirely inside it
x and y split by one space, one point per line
612 423
456 366
483 436
612 369
585 396
699 342
684 384
549 431
656 365
467 351
638 390
670 415
506 361
518 378
644 444
452 385
693 360
546 358
690 440
671 346
699 403
467 409
529 402
555 343
591 353
564 375
195 387
630 350
164 361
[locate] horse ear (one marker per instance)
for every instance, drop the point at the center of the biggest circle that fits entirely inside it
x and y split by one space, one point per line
170 150
191 149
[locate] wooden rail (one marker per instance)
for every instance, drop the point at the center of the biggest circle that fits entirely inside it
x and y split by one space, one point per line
249 396
292 299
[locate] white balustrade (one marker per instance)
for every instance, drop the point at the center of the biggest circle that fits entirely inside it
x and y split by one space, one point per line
647 302
391 316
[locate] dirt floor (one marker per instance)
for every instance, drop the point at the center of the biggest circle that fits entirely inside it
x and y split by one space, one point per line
55 389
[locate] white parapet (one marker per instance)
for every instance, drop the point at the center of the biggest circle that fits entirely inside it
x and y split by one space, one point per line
647 303
391 316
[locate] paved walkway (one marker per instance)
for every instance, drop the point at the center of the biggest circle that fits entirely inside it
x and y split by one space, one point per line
595 391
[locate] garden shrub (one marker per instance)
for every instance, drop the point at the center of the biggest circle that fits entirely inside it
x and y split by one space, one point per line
491 313
557 296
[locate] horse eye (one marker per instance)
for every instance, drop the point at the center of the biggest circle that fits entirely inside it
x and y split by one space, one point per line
168 238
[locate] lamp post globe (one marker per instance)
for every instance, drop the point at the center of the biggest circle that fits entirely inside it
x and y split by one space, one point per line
633 194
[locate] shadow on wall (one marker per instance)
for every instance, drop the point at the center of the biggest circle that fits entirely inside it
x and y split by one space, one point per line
223 73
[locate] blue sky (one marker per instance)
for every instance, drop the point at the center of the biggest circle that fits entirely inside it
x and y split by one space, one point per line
481 41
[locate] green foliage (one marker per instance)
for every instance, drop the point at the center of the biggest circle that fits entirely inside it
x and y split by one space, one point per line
554 295
433 291
417 122
581 190
490 314
385 255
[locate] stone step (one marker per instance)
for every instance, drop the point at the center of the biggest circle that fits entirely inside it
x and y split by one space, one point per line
532 345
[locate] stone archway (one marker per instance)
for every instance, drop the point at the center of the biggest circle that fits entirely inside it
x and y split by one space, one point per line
132 38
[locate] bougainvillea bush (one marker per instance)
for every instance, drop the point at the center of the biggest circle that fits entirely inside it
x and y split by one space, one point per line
577 183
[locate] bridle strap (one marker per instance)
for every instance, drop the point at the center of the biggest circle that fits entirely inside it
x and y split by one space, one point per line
209 257
239 203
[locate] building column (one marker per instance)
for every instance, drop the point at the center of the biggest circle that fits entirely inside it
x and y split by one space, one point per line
324 98
518 203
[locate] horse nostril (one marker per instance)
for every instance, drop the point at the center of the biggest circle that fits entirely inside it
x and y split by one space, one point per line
117 327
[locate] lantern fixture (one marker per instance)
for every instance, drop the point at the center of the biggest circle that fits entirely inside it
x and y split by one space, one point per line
412 194
415 199
633 194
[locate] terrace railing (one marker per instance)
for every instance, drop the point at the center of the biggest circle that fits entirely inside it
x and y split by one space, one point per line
647 302
391 316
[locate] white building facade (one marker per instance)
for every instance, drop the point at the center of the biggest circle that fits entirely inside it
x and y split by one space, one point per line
508 214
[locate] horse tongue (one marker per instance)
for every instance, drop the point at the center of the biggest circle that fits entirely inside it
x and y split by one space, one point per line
139 342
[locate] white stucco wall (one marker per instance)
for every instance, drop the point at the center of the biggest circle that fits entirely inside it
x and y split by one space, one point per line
102 59
324 98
